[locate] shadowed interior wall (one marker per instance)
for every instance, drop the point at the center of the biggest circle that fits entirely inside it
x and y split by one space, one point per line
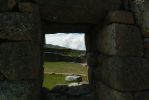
116 36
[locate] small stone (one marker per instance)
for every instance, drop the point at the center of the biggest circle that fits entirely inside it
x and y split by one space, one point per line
73 78
73 84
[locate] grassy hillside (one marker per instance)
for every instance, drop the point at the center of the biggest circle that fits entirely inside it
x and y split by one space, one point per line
63 50
54 46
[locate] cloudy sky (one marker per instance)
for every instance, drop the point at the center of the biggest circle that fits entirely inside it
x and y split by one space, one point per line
71 40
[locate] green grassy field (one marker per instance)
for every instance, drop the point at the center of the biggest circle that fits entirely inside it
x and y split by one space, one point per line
64 67
51 80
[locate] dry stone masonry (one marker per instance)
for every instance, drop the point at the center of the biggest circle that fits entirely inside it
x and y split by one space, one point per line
116 38
121 72
20 51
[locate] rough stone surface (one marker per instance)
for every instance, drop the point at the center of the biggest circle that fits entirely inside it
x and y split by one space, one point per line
7 5
142 95
28 7
78 90
20 60
19 26
124 73
19 90
88 97
81 92
120 39
106 93
91 41
91 76
92 59
146 52
2 77
146 47
146 42
119 16
76 11
60 88
141 10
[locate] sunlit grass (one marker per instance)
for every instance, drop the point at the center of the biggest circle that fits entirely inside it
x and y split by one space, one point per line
64 67
50 80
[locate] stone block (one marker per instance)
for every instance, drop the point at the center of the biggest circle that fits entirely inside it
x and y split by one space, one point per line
88 97
141 11
2 77
27 7
146 47
146 43
106 93
7 5
145 23
35 1
120 40
146 52
142 95
92 59
118 16
76 11
90 41
92 76
124 73
20 60
19 26
19 90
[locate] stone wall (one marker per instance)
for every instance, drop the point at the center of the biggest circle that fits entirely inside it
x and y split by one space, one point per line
117 53
117 50
20 51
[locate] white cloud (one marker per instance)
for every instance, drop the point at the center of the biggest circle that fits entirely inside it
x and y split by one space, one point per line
71 40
